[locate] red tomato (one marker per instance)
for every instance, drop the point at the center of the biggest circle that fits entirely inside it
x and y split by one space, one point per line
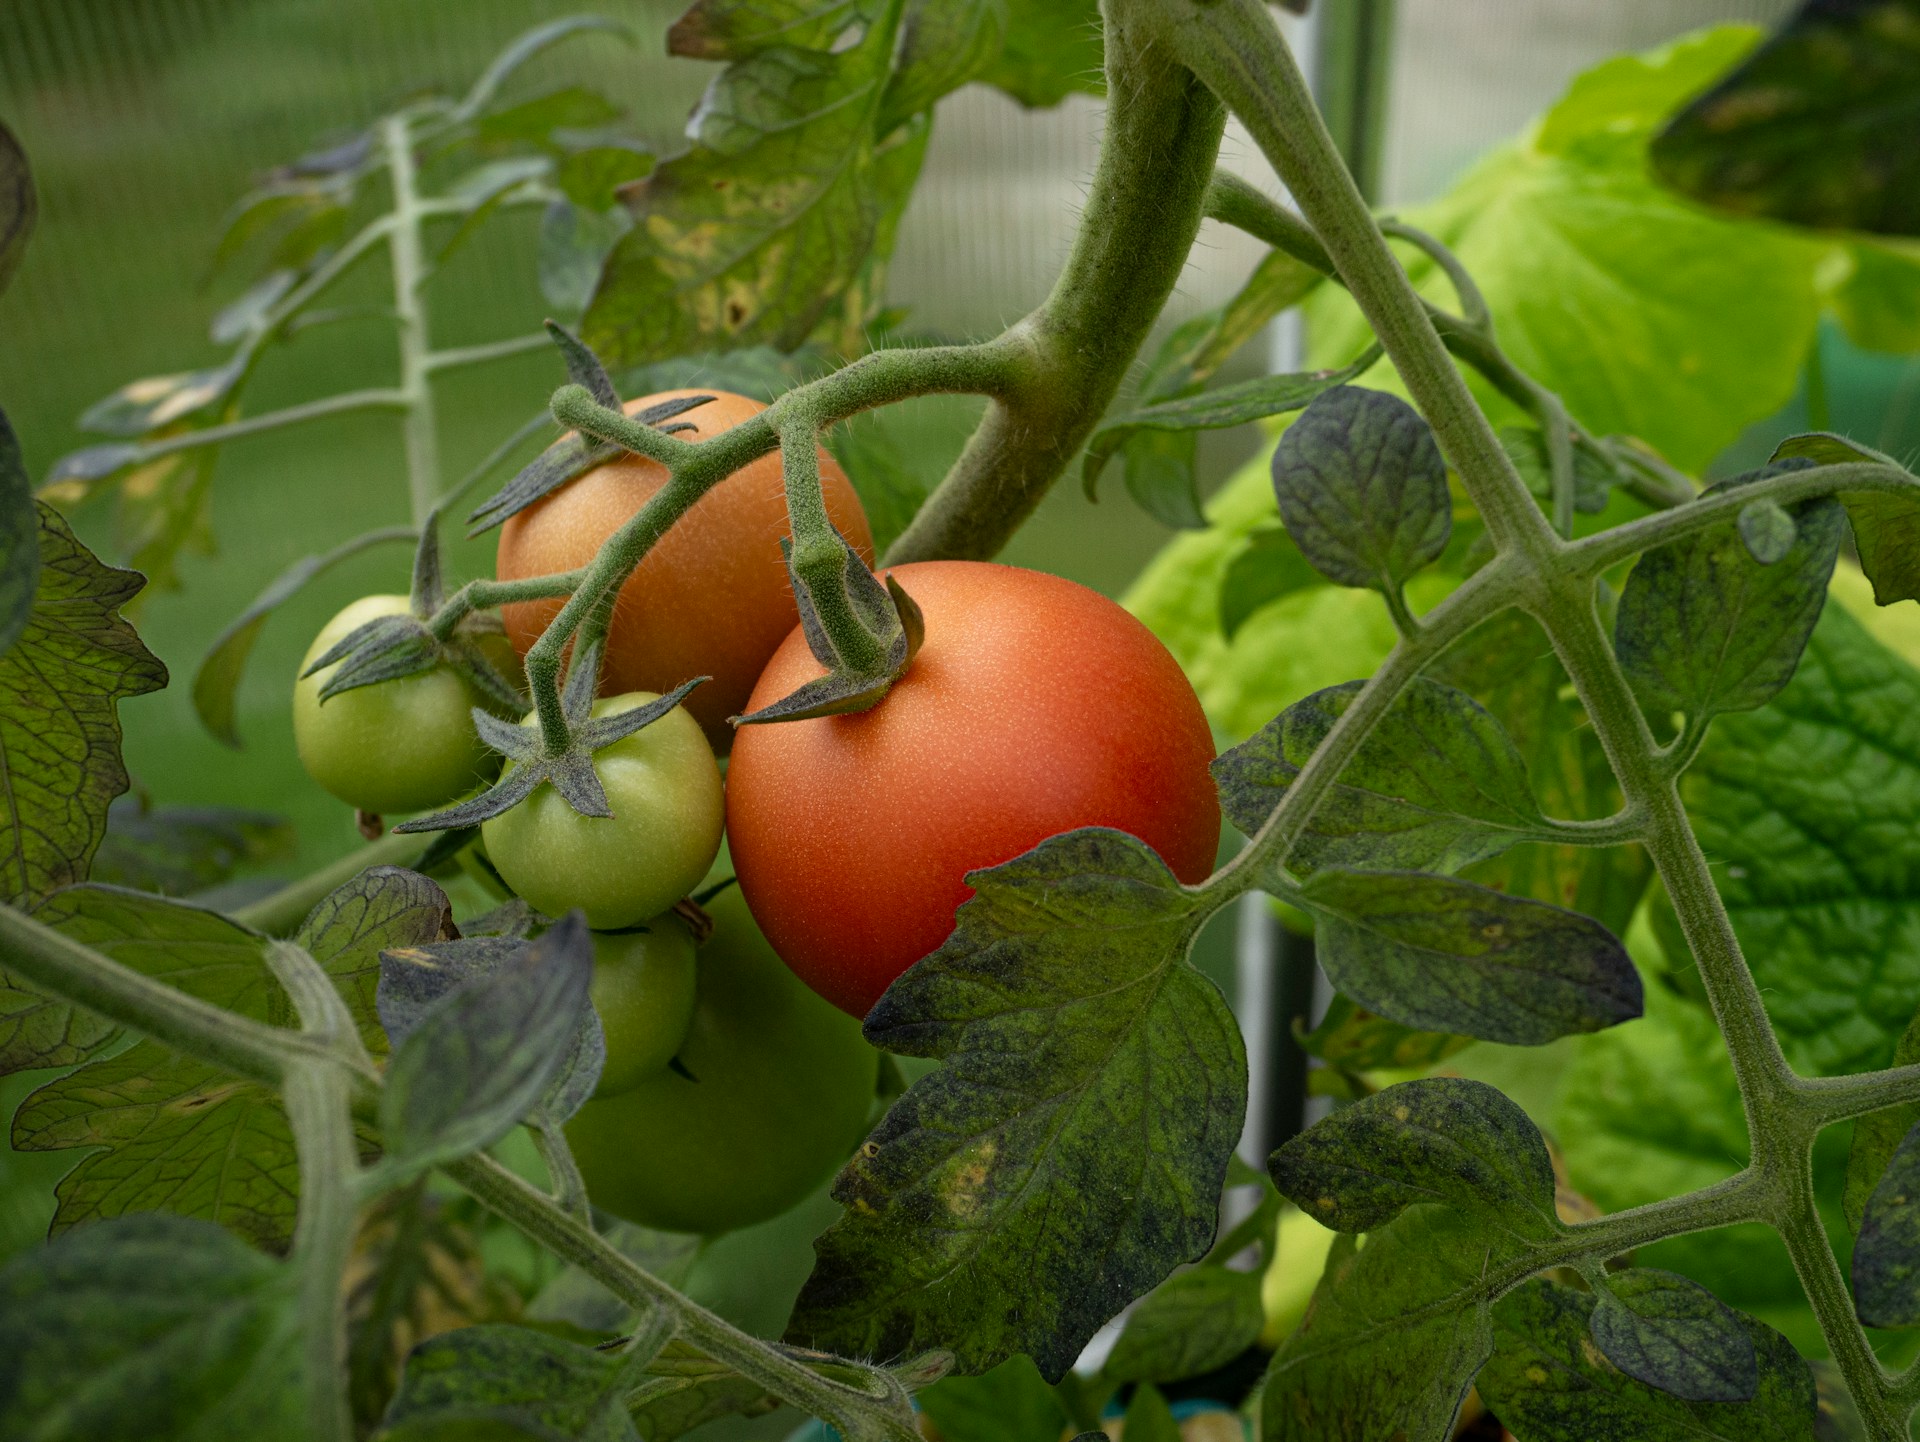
711 598
1036 706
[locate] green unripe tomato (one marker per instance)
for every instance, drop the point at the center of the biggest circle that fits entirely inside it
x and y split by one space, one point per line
663 786
643 985
783 1084
402 745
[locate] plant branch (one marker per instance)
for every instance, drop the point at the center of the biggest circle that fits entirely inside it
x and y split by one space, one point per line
384 400
441 360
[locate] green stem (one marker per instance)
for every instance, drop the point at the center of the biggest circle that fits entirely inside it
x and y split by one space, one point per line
484 595
820 558
409 305
317 1096
375 400
286 908
441 360
563 1173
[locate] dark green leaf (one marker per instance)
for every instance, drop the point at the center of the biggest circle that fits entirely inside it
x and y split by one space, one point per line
383 908
1886 1255
1052 50
1160 476
19 206
1671 1333
1394 1334
60 685
481 1055
1877 1134
178 850
1445 955
991 1213
19 526
1190 1324
513 1377
1437 785
1269 567
1440 1139
1148 1418
1886 524
155 1327
1548 1383
1810 809
1362 488
1705 629
1009 1404
1816 127
943 45
1354 1039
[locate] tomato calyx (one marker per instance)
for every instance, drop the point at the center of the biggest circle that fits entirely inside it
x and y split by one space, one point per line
568 767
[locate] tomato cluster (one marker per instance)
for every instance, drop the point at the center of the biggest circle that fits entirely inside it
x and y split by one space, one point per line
736 1075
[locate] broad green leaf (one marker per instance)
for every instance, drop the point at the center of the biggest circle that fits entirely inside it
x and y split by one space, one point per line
1668 1332
384 908
19 524
1052 50
60 686
1439 1139
992 1212
1354 1039
1877 1134
1191 1323
1886 524
1267 568
510 1376
1647 315
574 245
1548 1383
750 237
1705 628
177 850
1879 301
1810 808
1437 785
1815 127
1394 1335
1362 488
1009 1404
19 206
1446 955
1886 1255
155 1327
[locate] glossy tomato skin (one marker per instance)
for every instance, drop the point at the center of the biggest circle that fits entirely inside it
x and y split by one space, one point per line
396 746
643 990
784 1087
663 787
1035 706
712 596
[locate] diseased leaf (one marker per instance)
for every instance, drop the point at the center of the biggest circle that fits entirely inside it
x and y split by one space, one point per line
19 520
510 1377
383 908
1009 1404
177 850
154 402
60 686
1671 1333
1445 955
1547 1380
1886 524
1394 1334
1190 1324
1362 488
156 1327
943 45
1886 1255
1815 127
990 1213
1439 1139
1437 785
1877 1134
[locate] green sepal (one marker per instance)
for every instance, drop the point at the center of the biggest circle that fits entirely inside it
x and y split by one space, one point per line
888 616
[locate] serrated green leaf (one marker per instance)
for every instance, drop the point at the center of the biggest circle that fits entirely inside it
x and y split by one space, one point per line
1394 1334
1437 785
1354 1039
1191 1323
1815 127
1011 1403
1546 1381
155 1327
177 850
512 1376
1671 1333
1811 811
60 685
1446 955
1064 1013
19 206
383 908
1363 489
1886 524
1439 1139
1052 50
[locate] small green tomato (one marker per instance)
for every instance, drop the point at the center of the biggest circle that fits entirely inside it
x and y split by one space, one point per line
663 786
643 989
396 746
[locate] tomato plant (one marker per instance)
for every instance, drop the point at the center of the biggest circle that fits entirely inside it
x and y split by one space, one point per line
1560 641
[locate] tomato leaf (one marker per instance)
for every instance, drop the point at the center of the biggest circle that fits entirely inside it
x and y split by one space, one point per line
1190 1324
1011 1403
1354 1039
1547 1381
19 206
1886 1255
1437 785
156 1327
1052 50
1815 127
1886 524
1593 473
1705 628
60 686
512 1378
177 850
1878 1133
1149 1418
383 908
1668 1332
1362 488
1440 1139
19 535
1267 568
1446 955
991 1212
